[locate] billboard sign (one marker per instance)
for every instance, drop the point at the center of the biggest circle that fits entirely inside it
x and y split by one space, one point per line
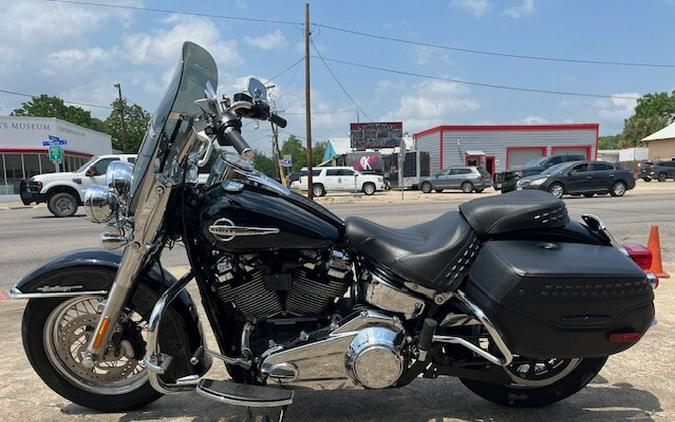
376 135
365 162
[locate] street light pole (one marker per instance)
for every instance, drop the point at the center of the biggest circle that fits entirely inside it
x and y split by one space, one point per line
125 139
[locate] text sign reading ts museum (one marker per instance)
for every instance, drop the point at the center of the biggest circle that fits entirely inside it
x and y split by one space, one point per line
376 135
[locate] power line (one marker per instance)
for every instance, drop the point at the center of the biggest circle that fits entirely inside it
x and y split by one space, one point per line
338 81
494 53
176 12
349 110
295 63
479 84
79 103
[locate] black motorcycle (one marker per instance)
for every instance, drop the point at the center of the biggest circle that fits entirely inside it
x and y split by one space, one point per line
508 294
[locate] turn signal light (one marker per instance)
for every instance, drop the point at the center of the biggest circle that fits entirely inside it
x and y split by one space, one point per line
639 254
624 337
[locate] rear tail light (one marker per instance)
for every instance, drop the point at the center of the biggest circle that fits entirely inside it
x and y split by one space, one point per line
640 254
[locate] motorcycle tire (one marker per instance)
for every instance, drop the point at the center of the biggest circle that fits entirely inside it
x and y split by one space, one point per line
523 396
35 321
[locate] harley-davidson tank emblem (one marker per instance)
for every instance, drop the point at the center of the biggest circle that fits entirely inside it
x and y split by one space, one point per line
225 230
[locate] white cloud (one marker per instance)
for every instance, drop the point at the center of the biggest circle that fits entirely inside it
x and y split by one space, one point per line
526 7
438 102
272 41
532 120
164 46
617 108
476 8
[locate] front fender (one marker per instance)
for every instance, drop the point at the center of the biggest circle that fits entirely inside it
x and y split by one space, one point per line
55 279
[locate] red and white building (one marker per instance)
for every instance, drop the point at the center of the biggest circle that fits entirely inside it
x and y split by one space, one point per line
500 147
23 155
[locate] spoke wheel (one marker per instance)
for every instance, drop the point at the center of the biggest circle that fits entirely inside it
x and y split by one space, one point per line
537 373
67 334
618 189
557 190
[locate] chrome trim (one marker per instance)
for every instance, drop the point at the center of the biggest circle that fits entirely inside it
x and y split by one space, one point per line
477 350
391 298
653 280
215 395
225 230
489 326
156 361
15 293
595 223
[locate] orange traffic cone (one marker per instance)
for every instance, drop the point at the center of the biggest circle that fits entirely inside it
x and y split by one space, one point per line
654 245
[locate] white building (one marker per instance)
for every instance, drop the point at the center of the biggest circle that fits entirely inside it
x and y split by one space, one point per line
500 147
23 155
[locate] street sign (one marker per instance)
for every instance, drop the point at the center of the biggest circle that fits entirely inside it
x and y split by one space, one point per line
53 140
55 153
287 161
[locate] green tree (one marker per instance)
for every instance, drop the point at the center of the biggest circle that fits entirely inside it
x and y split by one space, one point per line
293 147
137 122
610 141
48 106
656 104
263 163
637 128
318 149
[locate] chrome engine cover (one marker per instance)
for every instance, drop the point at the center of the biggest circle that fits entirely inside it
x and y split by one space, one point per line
364 351
374 358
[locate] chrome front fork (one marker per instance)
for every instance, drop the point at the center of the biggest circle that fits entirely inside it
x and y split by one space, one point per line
148 220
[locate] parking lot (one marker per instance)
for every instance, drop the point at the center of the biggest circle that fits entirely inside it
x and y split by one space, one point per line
636 385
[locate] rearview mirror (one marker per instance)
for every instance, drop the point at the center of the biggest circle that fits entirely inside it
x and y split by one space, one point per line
257 90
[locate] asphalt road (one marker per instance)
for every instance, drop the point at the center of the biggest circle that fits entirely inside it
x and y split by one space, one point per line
28 237
635 385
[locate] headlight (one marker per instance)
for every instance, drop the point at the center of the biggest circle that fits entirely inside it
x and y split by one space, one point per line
100 204
118 178
537 182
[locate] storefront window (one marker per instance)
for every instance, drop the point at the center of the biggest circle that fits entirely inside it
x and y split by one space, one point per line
31 165
47 166
14 172
3 184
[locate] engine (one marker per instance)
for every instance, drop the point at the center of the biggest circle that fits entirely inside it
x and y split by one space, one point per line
283 284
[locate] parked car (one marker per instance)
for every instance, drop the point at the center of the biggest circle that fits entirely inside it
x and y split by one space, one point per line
64 191
581 178
335 179
506 180
467 178
659 170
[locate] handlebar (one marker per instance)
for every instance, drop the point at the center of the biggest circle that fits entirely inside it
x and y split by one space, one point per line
278 120
231 136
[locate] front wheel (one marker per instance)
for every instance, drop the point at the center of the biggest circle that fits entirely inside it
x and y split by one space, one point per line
539 382
318 190
647 179
55 335
369 188
62 204
557 190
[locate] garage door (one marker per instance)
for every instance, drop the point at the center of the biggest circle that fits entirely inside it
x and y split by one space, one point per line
518 157
585 151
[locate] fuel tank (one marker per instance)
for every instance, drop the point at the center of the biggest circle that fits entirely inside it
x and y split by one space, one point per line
252 218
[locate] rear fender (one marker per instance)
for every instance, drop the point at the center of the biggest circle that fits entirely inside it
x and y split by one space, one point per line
55 279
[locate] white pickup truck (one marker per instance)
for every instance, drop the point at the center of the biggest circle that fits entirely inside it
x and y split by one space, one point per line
64 192
332 179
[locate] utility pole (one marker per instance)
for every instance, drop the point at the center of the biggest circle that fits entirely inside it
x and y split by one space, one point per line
125 139
308 106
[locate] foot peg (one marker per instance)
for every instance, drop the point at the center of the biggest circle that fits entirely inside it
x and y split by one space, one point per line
426 337
245 395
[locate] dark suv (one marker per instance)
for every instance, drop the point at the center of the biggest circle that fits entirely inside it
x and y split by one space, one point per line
506 181
659 170
581 178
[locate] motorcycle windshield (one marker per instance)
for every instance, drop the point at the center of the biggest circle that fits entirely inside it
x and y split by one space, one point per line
171 123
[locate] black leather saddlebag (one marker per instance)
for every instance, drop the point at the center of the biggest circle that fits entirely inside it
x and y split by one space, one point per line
561 299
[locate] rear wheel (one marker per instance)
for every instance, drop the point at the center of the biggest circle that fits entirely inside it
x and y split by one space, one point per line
426 187
557 190
539 382
647 179
589 195
318 190
62 204
467 187
618 189
662 177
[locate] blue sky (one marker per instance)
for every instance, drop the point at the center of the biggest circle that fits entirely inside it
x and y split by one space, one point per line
78 52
